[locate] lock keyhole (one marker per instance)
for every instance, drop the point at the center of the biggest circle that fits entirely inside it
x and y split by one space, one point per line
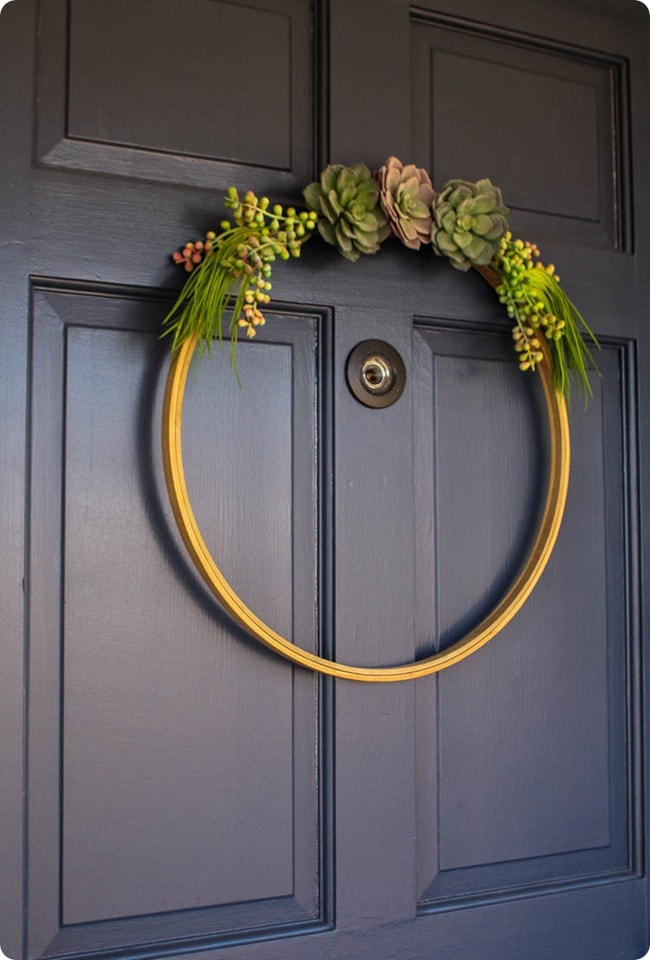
377 374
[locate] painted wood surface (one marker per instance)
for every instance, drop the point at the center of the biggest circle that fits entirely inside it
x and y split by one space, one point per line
168 786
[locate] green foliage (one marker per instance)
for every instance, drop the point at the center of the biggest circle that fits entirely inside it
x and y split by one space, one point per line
346 200
232 270
533 297
469 219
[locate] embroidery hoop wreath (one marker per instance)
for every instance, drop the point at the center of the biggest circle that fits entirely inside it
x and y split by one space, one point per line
356 210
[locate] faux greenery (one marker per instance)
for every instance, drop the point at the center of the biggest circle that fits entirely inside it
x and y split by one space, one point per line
469 220
232 270
346 201
356 211
406 197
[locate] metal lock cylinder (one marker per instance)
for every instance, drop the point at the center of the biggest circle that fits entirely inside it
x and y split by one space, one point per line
376 373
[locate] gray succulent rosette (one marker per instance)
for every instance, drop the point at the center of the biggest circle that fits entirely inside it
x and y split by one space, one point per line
406 196
347 202
469 220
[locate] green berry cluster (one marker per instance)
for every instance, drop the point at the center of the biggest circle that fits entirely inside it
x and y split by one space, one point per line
269 233
524 293
287 229
235 265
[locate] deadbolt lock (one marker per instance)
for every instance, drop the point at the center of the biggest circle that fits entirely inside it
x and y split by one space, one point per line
376 373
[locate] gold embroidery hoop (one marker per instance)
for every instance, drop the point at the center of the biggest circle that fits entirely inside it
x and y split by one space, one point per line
489 627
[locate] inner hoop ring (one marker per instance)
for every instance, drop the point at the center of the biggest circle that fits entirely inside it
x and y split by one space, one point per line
511 602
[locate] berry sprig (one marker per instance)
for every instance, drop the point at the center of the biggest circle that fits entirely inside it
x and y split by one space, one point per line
533 298
276 234
194 251
235 263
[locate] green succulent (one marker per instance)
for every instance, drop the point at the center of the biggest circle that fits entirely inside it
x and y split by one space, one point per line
347 202
469 220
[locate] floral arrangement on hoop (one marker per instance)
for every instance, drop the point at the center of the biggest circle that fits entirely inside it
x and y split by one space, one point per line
356 210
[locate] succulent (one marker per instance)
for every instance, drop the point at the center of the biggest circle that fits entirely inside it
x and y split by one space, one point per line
469 220
347 201
406 196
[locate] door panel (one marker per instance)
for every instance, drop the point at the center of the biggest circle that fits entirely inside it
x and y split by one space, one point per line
169 786
154 798
490 76
519 794
171 130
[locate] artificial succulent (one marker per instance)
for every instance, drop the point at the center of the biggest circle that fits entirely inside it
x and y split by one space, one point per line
347 202
469 220
406 196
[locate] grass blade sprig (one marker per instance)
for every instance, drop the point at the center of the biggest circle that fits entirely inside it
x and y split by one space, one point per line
231 271
533 297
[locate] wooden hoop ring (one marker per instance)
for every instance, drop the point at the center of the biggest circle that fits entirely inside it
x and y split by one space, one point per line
494 622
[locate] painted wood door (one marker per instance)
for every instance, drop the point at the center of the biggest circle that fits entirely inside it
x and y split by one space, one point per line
170 787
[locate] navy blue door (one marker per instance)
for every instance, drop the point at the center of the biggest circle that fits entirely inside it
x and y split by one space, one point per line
168 786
